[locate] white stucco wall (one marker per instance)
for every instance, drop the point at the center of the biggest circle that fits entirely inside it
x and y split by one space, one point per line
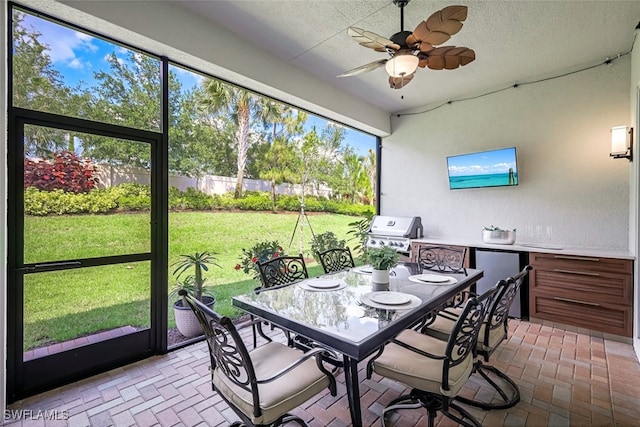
568 183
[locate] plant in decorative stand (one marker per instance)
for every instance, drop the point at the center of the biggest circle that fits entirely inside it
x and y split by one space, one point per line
260 252
324 241
186 321
381 260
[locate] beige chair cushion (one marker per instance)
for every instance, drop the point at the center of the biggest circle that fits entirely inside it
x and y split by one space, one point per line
417 371
279 396
445 326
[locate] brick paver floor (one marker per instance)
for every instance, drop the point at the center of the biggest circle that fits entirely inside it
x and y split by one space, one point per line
565 379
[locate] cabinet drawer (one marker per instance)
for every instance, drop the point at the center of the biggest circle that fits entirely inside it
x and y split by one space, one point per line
599 316
580 263
584 285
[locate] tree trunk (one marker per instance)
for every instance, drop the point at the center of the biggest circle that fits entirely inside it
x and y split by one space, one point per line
243 145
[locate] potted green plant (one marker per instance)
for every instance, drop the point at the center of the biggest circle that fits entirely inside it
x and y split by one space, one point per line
194 282
324 241
260 252
382 260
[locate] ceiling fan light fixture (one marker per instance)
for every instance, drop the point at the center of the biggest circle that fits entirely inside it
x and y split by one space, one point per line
401 65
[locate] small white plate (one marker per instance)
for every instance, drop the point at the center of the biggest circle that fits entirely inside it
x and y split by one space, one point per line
366 269
323 283
433 279
390 298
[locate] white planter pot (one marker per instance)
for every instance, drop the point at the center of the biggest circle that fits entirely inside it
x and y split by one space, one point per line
380 276
186 322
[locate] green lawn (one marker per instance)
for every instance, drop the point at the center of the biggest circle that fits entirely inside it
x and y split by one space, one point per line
63 305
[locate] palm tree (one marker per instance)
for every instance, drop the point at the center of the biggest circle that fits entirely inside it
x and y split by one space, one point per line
243 107
356 175
371 172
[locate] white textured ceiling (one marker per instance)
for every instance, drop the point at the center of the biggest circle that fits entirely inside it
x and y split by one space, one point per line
514 41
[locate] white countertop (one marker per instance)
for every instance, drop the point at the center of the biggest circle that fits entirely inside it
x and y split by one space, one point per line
533 247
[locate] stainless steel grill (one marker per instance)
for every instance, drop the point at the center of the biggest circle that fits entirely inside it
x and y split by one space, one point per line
393 231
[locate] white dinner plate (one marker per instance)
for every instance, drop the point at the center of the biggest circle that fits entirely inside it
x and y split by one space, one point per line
433 279
390 298
324 283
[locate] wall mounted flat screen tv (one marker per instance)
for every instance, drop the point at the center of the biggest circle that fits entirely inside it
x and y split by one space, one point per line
494 168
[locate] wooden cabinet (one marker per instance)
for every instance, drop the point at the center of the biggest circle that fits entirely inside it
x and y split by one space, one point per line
589 292
417 245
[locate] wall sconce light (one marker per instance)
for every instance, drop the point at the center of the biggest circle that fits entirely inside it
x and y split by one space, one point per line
621 142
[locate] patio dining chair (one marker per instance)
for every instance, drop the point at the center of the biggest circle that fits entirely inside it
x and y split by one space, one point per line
436 370
277 272
282 271
263 385
336 259
444 259
493 332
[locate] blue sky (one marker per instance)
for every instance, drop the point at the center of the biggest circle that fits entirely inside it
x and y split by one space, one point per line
486 162
77 56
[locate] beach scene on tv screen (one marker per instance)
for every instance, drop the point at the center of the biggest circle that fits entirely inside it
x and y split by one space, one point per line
494 168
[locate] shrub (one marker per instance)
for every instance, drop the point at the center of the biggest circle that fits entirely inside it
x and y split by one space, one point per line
322 242
65 171
133 197
177 200
291 203
287 202
225 201
59 202
197 200
255 202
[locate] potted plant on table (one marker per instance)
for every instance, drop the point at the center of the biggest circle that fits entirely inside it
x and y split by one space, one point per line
382 260
194 282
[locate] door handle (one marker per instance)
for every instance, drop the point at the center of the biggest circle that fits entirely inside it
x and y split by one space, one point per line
53 265
582 273
575 301
577 258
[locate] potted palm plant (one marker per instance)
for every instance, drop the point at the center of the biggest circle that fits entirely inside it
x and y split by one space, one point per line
382 260
189 275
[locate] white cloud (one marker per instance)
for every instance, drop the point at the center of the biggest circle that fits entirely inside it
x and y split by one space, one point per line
63 42
75 63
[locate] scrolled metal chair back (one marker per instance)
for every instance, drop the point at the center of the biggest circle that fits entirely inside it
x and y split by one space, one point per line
282 271
336 259
442 258
499 311
464 335
229 355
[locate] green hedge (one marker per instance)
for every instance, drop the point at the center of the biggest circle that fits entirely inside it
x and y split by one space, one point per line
135 197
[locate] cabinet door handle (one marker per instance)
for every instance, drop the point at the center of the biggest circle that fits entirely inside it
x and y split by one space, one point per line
582 273
575 301
577 258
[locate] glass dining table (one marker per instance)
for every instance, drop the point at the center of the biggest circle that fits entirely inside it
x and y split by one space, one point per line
348 313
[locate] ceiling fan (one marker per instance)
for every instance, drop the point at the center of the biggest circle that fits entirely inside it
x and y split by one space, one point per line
409 50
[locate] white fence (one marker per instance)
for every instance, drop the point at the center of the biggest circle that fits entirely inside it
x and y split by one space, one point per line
109 176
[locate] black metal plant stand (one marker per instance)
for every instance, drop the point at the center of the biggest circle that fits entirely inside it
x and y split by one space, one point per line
302 219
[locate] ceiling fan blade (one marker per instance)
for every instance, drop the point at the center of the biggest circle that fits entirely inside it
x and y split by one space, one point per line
371 40
446 58
439 27
400 82
364 68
